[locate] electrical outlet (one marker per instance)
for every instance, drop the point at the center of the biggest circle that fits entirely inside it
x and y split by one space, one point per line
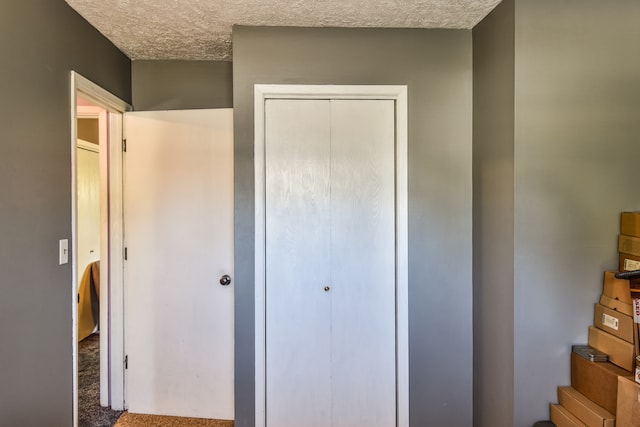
63 255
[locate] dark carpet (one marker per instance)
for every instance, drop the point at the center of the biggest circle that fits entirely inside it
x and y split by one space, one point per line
90 413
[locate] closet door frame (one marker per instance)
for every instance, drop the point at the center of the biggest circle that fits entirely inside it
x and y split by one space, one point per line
398 93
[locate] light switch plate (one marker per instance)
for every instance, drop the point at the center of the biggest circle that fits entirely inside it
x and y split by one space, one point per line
63 256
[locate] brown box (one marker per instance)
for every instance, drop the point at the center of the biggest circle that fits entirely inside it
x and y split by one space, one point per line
629 262
613 322
617 305
563 418
620 352
628 403
629 245
584 409
597 381
617 289
630 224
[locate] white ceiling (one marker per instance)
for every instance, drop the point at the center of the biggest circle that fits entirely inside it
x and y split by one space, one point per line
201 29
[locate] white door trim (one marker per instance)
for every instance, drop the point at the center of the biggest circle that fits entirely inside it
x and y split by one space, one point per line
399 94
113 157
89 146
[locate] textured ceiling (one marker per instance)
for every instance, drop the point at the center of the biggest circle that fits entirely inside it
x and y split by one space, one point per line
201 29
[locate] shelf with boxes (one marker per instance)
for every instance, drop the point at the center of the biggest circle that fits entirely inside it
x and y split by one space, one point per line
603 392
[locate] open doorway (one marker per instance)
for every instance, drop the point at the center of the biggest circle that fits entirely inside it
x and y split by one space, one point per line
98 379
91 242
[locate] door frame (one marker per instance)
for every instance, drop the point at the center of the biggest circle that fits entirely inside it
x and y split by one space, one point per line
112 319
398 93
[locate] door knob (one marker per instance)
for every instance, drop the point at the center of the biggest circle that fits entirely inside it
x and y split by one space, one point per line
327 288
225 280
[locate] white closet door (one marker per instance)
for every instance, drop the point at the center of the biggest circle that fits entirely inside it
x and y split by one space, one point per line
330 263
88 207
363 263
179 234
298 350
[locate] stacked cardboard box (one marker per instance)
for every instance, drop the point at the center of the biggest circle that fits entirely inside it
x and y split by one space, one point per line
614 331
629 251
602 391
628 403
592 398
575 409
629 241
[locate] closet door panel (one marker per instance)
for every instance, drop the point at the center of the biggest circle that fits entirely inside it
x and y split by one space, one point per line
298 327
363 263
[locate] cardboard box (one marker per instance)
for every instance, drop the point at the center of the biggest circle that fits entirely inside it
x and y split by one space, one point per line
617 305
636 331
584 409
629 262
613 322
630 224
597 381
617 289
628 403
629 245
636 340
563 418
620 352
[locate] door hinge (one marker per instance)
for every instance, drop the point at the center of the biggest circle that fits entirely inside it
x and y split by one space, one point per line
126 362
125 254
124 145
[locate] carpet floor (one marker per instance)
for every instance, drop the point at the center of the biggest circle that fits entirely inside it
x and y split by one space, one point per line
140 420
90 413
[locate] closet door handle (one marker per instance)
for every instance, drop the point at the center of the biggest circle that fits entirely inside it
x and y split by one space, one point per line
225 280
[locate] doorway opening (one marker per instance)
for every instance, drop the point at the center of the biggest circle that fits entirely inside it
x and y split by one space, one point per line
97 316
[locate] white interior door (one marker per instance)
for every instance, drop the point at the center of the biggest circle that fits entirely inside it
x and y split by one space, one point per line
298 350
88 164
363 263
330 263
179 238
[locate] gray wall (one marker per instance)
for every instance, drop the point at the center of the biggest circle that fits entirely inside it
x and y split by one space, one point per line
437 67
577 127
571 164
493 216
41 42
174 85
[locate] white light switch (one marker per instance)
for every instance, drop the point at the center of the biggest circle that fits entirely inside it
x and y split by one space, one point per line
64 251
